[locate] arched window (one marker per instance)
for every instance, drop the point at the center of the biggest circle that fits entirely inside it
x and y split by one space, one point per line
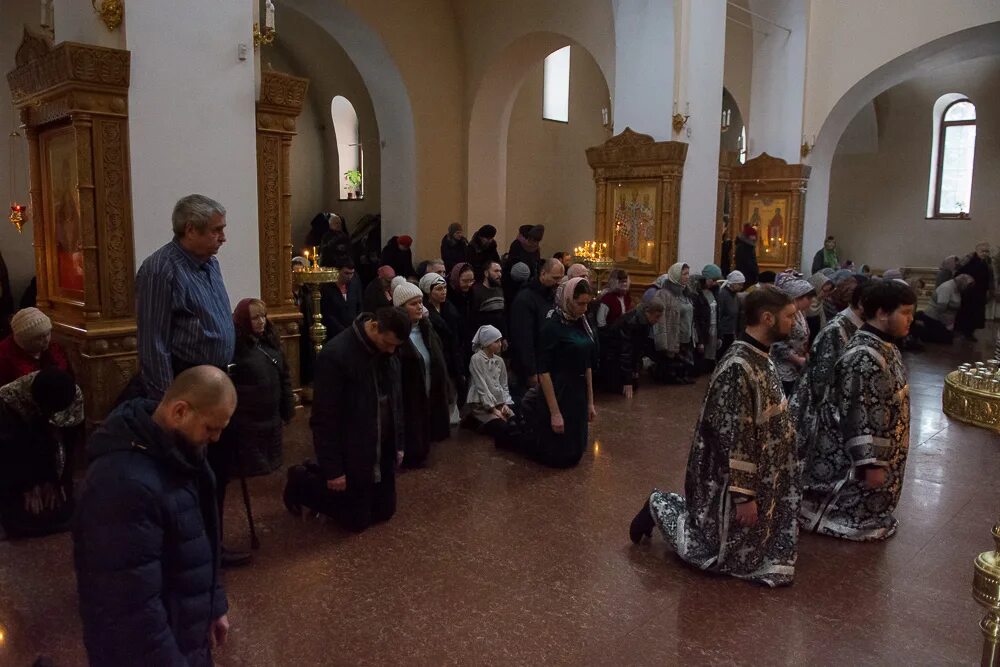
348 133
555 86
952 156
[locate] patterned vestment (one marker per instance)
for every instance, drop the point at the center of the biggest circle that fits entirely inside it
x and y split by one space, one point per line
810 403
871 428
743 448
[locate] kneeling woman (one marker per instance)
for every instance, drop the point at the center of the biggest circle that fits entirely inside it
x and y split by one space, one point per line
424 380
556 422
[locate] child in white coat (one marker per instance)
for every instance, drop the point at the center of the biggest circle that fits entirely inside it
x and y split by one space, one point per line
488 405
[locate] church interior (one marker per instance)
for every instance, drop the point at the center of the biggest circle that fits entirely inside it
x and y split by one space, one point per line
691 120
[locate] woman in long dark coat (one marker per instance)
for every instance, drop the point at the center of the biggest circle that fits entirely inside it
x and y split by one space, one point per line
454 246
424 380
252 444
556 418
446 323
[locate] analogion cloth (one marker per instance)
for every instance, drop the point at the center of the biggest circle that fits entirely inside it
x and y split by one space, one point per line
743 450
872 428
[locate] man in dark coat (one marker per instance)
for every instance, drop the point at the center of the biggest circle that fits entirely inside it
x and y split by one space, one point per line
746 255
527 315
972 312
526 249
397 253
341 302
482 250
454 247
146 534
357 425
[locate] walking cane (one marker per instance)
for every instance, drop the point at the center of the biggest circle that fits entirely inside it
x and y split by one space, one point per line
254 542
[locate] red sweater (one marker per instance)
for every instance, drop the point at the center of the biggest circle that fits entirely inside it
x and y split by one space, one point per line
15 362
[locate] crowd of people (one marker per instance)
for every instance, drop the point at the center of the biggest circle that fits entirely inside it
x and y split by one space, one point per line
804 424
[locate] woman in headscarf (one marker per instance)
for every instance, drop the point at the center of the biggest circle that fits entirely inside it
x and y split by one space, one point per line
556 418
703 292
447 324
615 301
482 250
574 271
673 336
657 285
252 444
791 354
816 314
844 282
454 246
425 383
947 270
460 283
398 254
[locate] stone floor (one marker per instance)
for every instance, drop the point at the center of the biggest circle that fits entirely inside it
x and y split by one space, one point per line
494 560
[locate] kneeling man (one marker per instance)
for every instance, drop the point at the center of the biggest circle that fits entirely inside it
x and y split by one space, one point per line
738 514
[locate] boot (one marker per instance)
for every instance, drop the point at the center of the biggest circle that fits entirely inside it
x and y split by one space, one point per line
642 524
292 493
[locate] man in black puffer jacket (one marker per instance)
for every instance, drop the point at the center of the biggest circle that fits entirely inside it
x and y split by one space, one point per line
527 315
146 533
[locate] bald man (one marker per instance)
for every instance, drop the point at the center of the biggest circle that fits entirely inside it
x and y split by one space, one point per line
528 312
146 534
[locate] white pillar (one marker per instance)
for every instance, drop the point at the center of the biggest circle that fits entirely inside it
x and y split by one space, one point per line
778 83
644 66
77 21
192 125
702 39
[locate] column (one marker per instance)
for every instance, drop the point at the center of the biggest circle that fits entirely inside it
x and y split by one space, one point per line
644 66
701 39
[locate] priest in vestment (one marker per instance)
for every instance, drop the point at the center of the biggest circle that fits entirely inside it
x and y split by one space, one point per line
854 475
738 514
810 403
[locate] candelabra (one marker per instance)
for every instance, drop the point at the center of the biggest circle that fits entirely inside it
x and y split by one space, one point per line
594 255
313 277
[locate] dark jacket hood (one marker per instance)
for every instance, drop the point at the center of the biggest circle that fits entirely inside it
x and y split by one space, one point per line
131 428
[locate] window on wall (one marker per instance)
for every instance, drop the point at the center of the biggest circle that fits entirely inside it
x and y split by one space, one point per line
555 86
349 149
952 156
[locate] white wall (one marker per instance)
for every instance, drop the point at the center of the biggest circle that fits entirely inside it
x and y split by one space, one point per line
548 179
739 58
703 29
644 67
777 88
18 251
878 199
192 126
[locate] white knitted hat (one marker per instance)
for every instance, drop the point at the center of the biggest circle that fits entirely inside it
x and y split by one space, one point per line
404 292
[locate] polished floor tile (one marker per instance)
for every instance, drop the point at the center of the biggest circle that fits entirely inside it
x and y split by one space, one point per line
494 560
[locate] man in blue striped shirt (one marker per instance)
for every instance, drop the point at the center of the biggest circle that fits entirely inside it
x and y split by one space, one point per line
183 312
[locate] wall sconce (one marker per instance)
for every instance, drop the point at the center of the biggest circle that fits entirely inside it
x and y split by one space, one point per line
679 120
807 147
266 34
727 115
111 13
18 211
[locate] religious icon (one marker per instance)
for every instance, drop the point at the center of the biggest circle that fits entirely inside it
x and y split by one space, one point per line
64 205
634 220
769 217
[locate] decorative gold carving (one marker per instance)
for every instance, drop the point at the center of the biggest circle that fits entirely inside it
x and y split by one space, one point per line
972 406
33 47
111 12
634 158
81 91
281 100
771 177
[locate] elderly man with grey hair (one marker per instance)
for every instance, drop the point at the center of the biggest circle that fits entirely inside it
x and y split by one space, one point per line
183 313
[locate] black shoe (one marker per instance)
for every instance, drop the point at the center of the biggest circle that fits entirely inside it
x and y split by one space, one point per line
291 493
235 558
642 524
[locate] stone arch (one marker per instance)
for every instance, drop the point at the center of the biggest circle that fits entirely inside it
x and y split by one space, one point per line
490 121
967 44
730 140
391 100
